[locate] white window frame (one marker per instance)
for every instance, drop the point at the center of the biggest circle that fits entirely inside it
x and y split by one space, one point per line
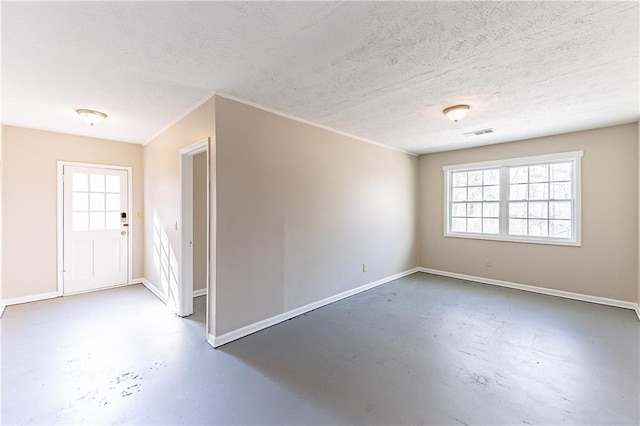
575 157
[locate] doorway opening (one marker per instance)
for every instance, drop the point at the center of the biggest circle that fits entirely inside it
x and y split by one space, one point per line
195 218
94 232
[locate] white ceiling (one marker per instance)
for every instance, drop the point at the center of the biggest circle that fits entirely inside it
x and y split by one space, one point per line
382 71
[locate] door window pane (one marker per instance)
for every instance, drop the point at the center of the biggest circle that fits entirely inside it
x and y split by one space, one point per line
80 221
80 182
113 183
96 221
80 202
113 202
97 202
113 220
96 183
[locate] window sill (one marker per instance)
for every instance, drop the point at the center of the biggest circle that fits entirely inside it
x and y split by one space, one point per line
514 239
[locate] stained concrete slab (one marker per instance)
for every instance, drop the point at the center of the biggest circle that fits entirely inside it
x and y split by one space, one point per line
420 350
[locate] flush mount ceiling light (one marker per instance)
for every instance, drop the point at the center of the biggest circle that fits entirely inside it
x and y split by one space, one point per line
90 116
457 112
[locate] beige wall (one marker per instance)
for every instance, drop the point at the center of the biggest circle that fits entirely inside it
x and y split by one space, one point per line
29 222
200 221
162 196
607 263
300 209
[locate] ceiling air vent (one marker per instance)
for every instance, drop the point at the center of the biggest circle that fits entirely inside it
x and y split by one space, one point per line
478 132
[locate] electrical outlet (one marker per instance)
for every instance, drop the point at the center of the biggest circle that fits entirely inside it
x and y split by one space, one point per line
487 263
364 267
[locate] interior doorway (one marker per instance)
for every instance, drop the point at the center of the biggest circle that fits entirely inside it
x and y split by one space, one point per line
94 236
195 214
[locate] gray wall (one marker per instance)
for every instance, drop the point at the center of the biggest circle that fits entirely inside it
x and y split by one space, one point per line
607 263
162 182
29 240
299 210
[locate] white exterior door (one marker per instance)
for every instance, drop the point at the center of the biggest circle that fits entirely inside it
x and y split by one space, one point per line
96 228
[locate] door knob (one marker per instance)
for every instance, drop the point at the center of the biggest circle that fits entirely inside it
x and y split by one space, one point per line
123 232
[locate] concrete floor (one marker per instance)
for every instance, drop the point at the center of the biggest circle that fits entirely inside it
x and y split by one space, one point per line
420 350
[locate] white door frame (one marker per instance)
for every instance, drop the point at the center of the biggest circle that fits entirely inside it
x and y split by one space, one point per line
185 299
60 218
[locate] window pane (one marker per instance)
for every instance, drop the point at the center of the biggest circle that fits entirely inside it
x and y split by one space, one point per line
538 210
490 209
539 173
97 202
561 172
80 221
518 175
80 182
459 210
538 202
474 209
491 193
80 202
97 183
459 179
458 225
459 194
538 191
490 226
475 193
113 220
518 192
113 202
518 210
561 191
517 226
538 228
560 209
474 178
96 221
474 225
113 183
560 228
491 177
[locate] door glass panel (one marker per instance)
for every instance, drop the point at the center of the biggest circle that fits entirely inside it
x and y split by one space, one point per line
80 202
113 202
80 182
96 221
113 220
97 183
113 183
97 202
80 221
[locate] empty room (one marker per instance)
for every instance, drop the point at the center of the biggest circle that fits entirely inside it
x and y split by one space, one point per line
328 213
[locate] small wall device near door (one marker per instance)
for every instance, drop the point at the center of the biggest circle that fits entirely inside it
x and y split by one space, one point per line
95 225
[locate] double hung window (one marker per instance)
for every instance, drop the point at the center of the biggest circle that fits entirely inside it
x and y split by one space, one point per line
531 199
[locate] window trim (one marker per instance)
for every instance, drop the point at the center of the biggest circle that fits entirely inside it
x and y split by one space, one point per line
573 156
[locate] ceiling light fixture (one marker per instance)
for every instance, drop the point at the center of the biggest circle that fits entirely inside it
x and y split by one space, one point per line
90 116
457 112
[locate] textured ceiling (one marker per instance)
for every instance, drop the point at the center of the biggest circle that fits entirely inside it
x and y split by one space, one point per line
382 71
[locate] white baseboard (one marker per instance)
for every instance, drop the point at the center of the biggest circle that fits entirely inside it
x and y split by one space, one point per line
153 289
638 310
217 341
541 290
32 298
201 292
1 309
